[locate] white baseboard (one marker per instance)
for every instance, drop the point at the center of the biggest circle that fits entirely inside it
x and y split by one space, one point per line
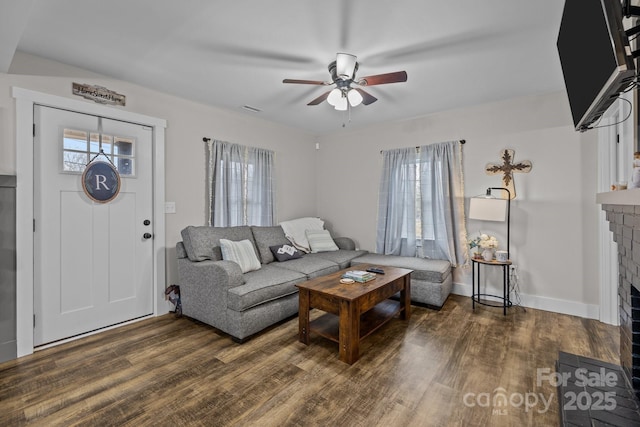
573 308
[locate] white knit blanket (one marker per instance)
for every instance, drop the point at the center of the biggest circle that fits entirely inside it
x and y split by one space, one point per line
295 229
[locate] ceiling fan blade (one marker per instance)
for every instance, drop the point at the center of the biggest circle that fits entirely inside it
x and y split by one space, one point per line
305 82
320 99
381 79
367 98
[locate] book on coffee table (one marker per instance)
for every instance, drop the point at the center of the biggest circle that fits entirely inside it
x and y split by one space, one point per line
359 276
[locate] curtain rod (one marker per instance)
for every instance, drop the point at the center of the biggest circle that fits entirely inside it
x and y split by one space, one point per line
462 141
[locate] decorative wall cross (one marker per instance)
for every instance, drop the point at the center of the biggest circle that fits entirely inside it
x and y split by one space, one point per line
507 168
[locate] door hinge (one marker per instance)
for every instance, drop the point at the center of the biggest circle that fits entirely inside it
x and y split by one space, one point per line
34 129
34 321
34 225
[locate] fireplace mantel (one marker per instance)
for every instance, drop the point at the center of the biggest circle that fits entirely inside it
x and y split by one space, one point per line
622 197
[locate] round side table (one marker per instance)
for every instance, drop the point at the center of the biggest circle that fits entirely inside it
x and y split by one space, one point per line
504 300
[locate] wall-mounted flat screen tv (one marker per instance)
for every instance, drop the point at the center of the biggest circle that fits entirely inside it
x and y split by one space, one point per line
596 58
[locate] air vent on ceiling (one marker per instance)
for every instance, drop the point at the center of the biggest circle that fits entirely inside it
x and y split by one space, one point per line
252 109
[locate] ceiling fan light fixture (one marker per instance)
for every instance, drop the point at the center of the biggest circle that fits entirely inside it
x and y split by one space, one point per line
334 96
342 104
355 98
343 75
345 65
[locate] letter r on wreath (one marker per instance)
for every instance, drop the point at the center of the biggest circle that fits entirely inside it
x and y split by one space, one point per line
101 180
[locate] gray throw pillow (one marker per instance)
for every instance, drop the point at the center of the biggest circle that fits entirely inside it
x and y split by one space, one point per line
265 237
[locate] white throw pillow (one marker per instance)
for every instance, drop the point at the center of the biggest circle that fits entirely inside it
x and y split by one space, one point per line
242 253
294 230
320 241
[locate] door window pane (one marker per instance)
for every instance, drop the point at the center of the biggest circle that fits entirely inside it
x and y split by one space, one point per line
94 144
80 147
74 161
75 141
123 147
124 165
107 144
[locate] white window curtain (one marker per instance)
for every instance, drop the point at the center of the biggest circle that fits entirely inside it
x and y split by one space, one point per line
396 234
240 185
421 203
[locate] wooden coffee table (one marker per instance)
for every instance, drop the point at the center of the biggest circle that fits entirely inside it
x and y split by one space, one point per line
354 311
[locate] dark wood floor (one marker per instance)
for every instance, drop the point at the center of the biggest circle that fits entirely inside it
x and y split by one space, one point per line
169 371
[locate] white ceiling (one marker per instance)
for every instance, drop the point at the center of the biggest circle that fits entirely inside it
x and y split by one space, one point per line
235 53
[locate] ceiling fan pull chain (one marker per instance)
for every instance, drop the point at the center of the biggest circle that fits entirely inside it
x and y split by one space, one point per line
348 115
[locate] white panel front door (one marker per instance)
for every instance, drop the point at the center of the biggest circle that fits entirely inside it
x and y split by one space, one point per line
93 261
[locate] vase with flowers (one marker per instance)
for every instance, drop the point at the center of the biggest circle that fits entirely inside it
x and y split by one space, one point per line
488 244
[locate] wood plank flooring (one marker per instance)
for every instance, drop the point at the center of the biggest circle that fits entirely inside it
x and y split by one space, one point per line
179 372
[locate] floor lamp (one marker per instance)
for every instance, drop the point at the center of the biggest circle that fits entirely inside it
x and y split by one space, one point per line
490 208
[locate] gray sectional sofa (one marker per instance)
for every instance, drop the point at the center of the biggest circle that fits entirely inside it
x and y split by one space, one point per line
217 292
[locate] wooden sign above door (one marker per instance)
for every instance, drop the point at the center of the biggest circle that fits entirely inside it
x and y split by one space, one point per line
99 94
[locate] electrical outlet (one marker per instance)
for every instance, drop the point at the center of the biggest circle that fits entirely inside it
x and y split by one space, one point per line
170 207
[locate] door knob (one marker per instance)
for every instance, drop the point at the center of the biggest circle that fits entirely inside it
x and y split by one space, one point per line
146 236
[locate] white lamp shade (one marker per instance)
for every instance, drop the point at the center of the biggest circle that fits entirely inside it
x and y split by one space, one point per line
341 104
345 65
355 98
334 96
487 209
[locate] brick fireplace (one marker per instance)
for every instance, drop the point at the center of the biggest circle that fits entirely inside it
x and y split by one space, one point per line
624 222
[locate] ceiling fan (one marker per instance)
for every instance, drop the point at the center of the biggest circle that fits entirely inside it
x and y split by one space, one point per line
343 75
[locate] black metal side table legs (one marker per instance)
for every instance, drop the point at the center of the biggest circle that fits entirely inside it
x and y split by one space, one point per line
505 298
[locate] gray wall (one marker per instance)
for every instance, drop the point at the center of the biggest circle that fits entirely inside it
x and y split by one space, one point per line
554 211
7 267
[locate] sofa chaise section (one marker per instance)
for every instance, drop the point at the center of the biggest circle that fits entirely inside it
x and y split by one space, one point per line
431 279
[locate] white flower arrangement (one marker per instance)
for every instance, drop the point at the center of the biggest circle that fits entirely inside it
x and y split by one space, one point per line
487 242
